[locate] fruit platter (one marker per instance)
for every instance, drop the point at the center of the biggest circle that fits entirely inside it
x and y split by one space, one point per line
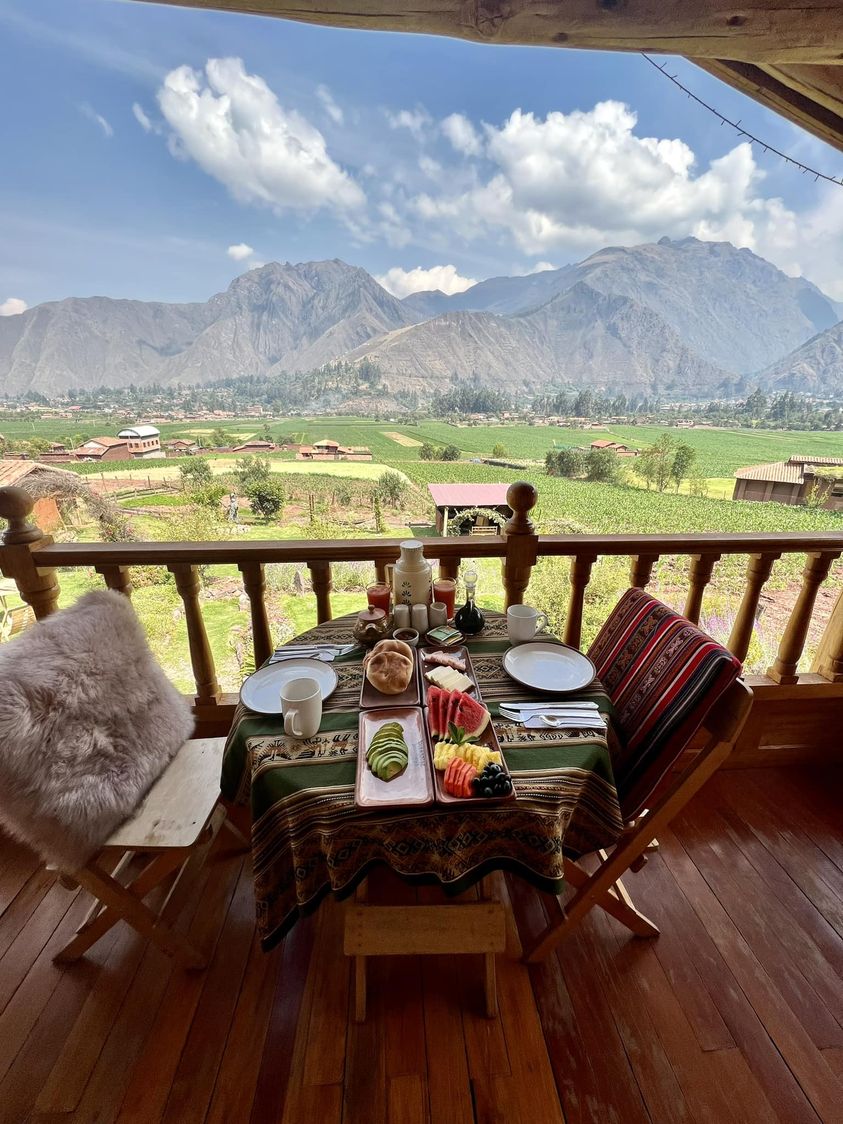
467 759
393 759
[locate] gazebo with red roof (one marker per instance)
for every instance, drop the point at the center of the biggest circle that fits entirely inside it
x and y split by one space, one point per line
452 499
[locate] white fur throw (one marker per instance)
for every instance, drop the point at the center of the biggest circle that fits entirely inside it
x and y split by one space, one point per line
88 720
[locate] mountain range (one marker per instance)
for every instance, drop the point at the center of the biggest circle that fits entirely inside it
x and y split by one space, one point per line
676 318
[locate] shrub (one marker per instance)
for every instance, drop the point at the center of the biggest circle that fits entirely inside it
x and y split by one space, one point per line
391 489
602 465
450 453
251 470
499 450
195 473
266 497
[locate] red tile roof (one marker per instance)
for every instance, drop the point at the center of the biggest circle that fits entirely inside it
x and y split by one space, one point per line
468 495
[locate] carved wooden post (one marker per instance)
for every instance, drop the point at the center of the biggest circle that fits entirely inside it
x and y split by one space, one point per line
255 585
816 570
320 576
641 569
380 569
521 542
201 656
757 572
118 578
829 658
449 568
37 586
700 576
580 575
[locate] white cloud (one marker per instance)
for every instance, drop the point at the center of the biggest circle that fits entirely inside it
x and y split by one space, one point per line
401 282
98 119
462 134
13 306
541 267
568 184
239 251
141 117
233 126
331 108
414 120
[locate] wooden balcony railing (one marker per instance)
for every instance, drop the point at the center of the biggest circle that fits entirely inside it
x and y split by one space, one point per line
32 559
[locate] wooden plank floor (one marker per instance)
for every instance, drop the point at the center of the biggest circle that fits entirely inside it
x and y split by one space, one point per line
735 1013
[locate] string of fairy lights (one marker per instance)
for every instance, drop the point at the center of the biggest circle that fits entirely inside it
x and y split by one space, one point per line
741 131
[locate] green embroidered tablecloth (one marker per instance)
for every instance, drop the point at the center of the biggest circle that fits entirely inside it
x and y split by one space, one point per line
309 838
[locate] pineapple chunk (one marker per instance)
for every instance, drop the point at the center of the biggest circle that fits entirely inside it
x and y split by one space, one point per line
449 679
480 757
444 753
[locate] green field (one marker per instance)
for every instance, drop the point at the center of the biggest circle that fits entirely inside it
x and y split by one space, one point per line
167 470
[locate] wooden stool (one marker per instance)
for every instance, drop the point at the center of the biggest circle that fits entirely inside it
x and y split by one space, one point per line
419 930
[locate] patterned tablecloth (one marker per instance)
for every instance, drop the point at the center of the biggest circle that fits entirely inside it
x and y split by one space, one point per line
309 838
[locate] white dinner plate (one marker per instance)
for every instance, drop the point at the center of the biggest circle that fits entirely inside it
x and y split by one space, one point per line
543 666
262 690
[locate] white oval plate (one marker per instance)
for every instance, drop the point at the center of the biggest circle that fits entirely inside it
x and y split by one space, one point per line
261 692
554 668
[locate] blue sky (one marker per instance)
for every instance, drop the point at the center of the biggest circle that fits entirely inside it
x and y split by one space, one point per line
155 152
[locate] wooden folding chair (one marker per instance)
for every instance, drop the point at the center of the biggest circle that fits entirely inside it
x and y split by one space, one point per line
668 681
168 836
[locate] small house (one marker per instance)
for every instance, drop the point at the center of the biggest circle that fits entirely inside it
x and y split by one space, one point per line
255 446
793 481
616 447
477 504
103 449
144 441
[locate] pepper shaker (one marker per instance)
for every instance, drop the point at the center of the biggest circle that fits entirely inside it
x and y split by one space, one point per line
419 618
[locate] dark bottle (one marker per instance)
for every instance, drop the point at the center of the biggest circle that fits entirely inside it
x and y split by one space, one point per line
469 619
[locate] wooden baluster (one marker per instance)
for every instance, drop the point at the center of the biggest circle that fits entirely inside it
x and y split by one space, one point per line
580 575
201 657
757 572
254 583
521 542
37 585
829 659
380 569
449 568
641 569
816 570
118 578
699 577
320 575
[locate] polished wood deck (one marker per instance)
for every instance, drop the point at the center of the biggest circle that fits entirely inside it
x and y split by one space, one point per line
733 1014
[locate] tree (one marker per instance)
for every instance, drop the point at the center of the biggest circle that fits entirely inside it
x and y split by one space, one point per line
602 465
195 473
654 464
391 489
219 438
266 497
208 494
568 462
684 458
450 453
380 525
427 452
499 450
251 469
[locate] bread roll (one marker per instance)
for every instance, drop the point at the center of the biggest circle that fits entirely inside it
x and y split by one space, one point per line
394 646
389 672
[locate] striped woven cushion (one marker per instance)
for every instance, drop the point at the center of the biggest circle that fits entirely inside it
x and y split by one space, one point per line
663 675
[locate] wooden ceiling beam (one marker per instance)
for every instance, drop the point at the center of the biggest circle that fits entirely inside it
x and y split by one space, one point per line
789 95
755 31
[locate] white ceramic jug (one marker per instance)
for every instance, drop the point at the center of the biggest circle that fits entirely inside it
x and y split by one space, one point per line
411 577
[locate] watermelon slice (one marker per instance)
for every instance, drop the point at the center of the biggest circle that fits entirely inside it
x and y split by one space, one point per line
453 704
439 709
433 710
469 715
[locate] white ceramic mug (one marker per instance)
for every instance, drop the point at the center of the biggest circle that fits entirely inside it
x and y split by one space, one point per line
301 702
523 622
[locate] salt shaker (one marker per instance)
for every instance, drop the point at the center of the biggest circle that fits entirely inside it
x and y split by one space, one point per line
419 618
401 616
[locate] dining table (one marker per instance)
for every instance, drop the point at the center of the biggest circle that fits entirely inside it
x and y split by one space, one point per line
310 839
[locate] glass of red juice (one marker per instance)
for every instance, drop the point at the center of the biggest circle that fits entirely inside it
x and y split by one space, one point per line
445 589
379 595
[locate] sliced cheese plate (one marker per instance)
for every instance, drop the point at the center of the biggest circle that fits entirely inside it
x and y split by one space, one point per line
460 653
413 786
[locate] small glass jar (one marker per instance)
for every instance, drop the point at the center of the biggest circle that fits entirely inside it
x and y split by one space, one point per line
371 626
